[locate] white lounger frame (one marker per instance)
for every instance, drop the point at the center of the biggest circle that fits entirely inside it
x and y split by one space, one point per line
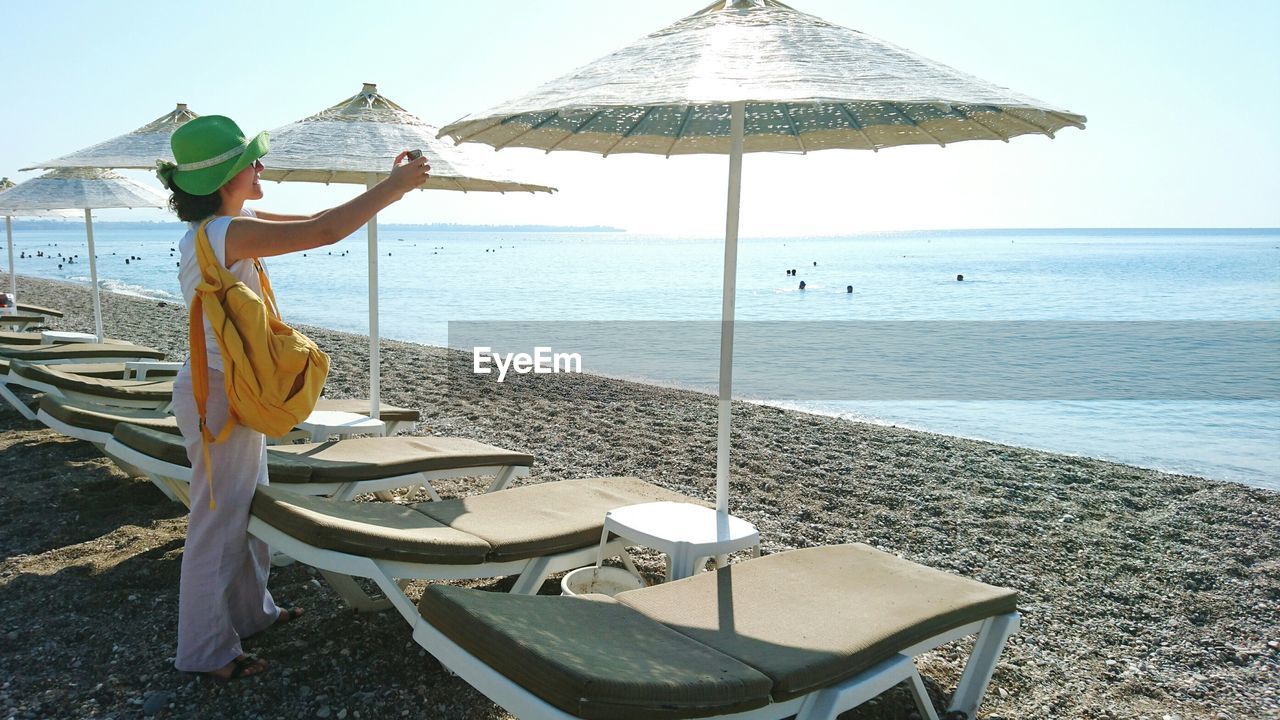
824 704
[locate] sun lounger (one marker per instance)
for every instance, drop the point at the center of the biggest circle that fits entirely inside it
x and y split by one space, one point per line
20 338
809 633
530 531
80 353
72 354
341 469
27 339
37 310
94 423
156 395
21 321
91 369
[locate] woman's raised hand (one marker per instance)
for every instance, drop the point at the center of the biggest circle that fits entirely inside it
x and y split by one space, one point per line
407 176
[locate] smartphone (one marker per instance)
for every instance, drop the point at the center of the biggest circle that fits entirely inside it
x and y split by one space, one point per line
415 154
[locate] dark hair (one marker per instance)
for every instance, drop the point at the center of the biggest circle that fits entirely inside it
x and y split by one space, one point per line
193 208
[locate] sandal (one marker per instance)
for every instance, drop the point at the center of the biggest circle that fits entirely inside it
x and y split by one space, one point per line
244 666
288 615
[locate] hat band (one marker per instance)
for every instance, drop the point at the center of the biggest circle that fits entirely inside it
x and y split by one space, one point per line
233 152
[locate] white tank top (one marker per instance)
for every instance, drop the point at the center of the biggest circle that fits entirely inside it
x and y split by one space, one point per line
189 272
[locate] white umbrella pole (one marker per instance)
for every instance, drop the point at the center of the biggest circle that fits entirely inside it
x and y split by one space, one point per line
374 360
93 275
737 122
13 274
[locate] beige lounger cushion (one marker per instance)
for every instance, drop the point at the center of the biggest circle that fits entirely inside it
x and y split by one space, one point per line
534 520
386 413
38 310
383 530
20 338
370 458
100 420
810 618
110 388
592 657
171 449
113 370
29 338
77 351
515 524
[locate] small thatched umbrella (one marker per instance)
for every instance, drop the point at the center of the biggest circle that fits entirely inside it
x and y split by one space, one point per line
355 142
5 184
136 150
79 189
751 76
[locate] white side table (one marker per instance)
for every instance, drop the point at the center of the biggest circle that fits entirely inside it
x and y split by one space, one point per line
324 423
685 532
51 337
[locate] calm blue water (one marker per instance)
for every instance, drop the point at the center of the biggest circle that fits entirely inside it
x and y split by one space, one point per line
430 278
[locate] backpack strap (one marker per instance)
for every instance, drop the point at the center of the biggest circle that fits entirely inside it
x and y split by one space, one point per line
268 295
199 353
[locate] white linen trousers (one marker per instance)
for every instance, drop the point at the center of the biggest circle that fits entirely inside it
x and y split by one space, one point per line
222 595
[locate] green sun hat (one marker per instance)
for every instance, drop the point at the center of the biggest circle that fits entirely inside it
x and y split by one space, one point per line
209 151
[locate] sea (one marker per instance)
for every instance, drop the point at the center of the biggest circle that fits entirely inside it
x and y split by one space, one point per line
1197 283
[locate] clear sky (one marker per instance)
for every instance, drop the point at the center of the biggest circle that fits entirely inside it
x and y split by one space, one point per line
1182 97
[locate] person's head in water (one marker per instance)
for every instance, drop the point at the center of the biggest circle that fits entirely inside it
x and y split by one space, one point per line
216 168
848 288
959 278
801 284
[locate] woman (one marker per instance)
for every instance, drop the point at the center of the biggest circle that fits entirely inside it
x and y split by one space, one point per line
223 593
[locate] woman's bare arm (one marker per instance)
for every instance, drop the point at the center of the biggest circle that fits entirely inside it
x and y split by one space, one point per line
260 237
279 217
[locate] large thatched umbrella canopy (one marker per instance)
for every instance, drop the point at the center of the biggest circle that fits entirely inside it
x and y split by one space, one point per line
805 84
757 75
138 149
355 141
80 189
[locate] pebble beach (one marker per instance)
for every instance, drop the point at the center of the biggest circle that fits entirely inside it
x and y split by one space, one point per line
1143 594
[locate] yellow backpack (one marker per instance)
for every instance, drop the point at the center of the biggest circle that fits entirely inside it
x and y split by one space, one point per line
273 373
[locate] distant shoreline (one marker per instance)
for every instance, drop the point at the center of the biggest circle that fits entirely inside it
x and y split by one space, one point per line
60 224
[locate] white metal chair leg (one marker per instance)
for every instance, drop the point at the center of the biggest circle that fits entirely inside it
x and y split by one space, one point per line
353 595
431 491
921 696
827 704
982 663
16 402
503 479
535 573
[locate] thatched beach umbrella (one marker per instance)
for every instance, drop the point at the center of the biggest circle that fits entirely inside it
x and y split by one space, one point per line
5 184
80 189
137 150
356 141
751 76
